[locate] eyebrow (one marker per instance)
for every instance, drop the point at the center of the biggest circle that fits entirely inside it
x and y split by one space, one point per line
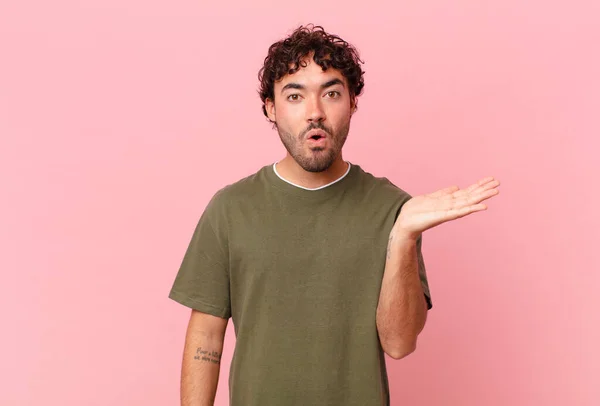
325 85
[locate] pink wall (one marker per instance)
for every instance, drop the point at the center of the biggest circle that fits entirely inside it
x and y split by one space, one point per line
120 119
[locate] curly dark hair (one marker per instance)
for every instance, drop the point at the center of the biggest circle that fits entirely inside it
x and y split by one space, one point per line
285 57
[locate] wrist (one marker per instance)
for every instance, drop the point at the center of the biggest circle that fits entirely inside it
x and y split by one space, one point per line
403 236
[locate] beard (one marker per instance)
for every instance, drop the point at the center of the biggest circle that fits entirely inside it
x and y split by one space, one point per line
317 159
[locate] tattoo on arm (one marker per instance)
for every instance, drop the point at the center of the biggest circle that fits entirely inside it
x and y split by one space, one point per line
208 356
389 246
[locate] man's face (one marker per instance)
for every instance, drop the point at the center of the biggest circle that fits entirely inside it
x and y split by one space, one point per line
312 103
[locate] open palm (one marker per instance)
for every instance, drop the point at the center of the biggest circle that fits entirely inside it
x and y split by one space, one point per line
423 212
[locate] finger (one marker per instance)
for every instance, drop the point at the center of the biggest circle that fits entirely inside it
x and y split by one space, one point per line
475 199
472 187
480 197
490 185
444 191
479 184
482 185
469 200
465 211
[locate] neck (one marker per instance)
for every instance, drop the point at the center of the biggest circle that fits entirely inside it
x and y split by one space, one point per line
289 169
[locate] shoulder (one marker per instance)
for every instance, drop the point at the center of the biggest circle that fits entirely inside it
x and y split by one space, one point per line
239 191
382 187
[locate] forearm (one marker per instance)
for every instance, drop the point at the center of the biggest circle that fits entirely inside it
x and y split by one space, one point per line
402 308
200 368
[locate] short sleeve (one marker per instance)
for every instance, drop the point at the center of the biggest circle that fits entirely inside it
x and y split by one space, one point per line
202 282
423 273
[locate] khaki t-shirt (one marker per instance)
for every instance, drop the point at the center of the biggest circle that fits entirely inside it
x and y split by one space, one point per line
299 272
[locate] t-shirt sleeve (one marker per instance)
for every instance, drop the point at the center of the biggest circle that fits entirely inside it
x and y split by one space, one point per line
423 273
202 282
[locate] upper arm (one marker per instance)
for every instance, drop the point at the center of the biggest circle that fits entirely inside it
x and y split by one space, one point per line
207 325
202 282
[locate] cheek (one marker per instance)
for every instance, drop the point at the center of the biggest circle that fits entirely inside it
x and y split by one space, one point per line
290 109
338 115
291 114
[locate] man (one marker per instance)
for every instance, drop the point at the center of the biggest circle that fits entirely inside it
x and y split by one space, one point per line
317 262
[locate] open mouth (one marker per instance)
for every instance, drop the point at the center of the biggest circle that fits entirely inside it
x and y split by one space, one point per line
316 135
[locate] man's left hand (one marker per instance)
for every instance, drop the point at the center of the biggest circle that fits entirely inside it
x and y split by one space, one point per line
423 212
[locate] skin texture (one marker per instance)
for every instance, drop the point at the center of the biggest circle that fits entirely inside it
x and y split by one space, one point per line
202 359
313 106
402 310
426 211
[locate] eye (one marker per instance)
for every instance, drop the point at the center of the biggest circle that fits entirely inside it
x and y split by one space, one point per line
333 94
294 97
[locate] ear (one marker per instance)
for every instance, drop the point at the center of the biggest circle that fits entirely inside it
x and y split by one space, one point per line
270 107
352 105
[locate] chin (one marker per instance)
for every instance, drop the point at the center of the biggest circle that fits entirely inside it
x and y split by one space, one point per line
316 165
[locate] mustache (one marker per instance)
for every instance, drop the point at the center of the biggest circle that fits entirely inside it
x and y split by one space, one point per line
313 126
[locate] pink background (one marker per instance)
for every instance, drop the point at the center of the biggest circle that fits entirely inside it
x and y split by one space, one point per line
120 119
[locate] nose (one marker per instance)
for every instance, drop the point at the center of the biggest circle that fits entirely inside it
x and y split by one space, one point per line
315 112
